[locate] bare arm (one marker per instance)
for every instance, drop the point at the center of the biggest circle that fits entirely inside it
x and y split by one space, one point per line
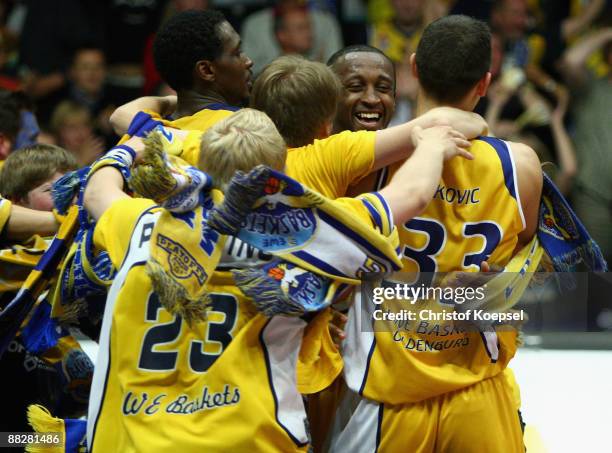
575 25
565 148
105 186
529 175
574 60
394 144
25 222
122 117
413 185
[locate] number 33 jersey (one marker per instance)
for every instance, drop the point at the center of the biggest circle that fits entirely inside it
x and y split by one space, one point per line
225 384
475 215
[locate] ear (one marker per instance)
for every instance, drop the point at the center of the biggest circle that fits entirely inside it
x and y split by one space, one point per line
483 85
5 146
413 66
325 130
205 70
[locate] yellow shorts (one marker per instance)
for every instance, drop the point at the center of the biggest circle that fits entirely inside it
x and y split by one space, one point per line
479 418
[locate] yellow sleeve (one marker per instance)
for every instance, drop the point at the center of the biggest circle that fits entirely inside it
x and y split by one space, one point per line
319 362
537 46
5 213
329 166
114 228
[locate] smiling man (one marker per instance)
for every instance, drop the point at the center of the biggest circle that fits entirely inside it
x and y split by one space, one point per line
367 76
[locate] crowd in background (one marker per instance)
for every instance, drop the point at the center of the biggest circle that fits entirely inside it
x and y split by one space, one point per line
77 60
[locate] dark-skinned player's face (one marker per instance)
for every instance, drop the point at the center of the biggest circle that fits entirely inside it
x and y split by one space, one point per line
233 76
368 97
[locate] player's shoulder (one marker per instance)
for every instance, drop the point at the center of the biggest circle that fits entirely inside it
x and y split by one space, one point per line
526 160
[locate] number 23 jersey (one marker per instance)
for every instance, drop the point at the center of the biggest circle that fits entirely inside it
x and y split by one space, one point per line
225 384
475 215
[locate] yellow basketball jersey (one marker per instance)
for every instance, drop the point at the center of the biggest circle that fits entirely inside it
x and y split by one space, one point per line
328 166
226 384
475 215
5 212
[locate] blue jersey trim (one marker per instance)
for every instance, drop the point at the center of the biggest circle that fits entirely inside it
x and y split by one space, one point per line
221 106
504 156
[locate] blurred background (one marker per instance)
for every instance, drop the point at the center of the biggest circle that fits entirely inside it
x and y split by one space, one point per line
66 64
76 60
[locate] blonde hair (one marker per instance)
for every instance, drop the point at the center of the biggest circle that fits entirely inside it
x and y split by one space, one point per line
66 111
299 95
241 142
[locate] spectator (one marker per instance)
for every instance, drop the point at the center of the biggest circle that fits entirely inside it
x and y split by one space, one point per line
58 27
73 128
398 38
293 30
28 174
522 50
18 125
593 135
260 43
129 26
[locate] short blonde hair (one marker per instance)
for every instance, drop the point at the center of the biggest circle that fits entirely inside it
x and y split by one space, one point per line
300 96
241 142
66 111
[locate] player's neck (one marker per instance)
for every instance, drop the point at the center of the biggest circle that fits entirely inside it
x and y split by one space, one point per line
426 103
190 102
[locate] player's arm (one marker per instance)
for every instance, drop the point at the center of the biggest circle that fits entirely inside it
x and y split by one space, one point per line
24 222
530 180
122 117
105 186
414 184
394 144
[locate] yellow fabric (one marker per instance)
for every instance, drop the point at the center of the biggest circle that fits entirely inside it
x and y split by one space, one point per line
191 266
436 357
17 261
537 47
237 369
480 418
112 230
5 211
330 165
319 362
386 37
487 198
200 121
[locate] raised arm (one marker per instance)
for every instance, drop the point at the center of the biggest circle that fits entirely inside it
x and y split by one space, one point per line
394 144
413 185
122 117
105 186
574 60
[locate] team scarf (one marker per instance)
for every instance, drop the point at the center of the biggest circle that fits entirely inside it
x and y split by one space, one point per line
27 318
37 282
320 246
73 432
562 234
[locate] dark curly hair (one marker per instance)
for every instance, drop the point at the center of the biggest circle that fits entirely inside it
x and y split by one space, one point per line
186 38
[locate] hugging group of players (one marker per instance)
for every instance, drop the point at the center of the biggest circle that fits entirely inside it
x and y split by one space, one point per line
188 361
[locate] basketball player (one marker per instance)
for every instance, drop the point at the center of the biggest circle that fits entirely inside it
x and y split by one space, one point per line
160 383
453 396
